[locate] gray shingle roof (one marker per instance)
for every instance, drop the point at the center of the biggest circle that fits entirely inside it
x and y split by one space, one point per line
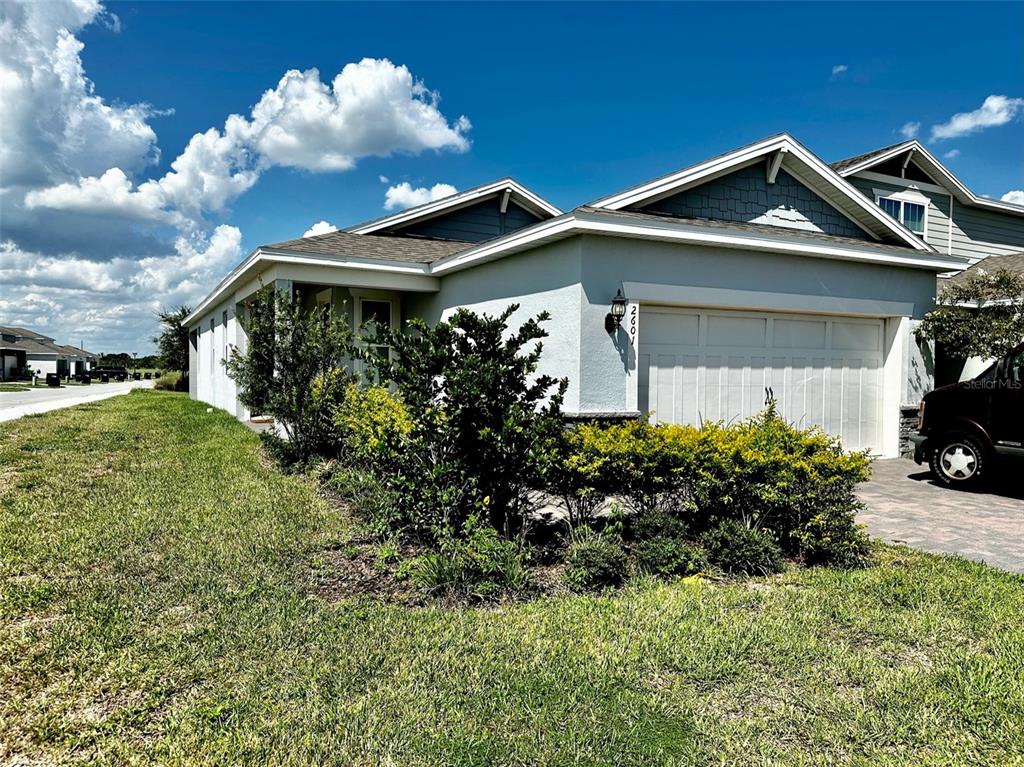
761 228
850 161
1013 262
16 331
379 247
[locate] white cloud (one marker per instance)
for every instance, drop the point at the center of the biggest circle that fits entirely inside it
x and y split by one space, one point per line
383 179
839 69
112 194
54 124
405 196
86 231
320 227
110 304
910 130
994 111
1016 196
952 154
372 108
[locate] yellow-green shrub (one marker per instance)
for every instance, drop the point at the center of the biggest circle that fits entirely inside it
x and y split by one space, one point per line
373 422
797 483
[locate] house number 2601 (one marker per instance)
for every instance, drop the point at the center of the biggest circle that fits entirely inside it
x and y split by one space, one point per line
631 327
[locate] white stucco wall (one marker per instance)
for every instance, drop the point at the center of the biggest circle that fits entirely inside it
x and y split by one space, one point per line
212 383
544 279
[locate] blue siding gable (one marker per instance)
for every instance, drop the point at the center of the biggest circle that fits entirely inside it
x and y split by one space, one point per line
474 223
747 196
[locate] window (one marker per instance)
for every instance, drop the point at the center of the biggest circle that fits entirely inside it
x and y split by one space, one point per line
378 312
224 322
910 214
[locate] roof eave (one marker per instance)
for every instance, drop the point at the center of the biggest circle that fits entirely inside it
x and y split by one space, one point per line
523 197
872 220
592 222
933 166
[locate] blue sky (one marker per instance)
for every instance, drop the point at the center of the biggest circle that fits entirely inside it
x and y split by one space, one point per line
575 101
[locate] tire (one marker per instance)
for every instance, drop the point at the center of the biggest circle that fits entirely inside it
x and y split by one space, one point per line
959 461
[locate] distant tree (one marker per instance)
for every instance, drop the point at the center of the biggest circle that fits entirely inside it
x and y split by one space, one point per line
118 360
172 343
980 316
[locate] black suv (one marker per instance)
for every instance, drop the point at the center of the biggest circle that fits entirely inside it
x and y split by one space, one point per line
964 429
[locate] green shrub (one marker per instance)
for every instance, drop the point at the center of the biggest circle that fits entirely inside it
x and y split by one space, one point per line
742 550
369 498
168 382
294 369
482 424
660 522
666 556
478 564
374 424
800 480
595 561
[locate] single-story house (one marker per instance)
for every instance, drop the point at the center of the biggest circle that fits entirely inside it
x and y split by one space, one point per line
40 354
761 273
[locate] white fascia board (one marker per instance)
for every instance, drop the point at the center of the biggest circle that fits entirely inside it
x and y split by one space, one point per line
660 187
267 256
793 151
531 236
964 194
675 231
757 241
433 209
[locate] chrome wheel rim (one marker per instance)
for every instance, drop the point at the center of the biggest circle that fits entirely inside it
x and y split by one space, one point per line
959 462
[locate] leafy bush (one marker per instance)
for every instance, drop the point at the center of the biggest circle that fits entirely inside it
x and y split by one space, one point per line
800 481
294 369
743 550
595 561
665 555
171 382
479 564
375 424
368 497
481 426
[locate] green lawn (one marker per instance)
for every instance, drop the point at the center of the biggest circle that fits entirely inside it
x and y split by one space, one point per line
156 607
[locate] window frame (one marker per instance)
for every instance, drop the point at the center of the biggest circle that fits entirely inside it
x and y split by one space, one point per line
903 199
378 296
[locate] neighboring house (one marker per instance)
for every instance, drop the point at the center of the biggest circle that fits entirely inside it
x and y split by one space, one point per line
912 185
761 272
949 366
40 354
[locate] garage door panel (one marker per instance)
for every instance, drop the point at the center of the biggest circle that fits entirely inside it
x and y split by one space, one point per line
798 334
728 331
823 371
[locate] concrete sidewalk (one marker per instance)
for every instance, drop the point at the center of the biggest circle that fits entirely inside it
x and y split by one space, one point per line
18 404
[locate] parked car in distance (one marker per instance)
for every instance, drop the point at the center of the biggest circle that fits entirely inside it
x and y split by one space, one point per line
967 428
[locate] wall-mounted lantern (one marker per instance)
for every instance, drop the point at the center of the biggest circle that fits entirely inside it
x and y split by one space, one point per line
613 319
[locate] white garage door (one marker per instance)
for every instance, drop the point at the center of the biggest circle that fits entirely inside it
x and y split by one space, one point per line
708 365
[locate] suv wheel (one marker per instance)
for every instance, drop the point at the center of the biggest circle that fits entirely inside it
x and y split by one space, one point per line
958 461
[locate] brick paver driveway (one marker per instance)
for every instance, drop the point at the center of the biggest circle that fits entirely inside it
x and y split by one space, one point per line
904 505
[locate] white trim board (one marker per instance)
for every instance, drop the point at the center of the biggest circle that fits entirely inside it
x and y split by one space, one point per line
669 230
506 186
756 300
797 160
932 166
